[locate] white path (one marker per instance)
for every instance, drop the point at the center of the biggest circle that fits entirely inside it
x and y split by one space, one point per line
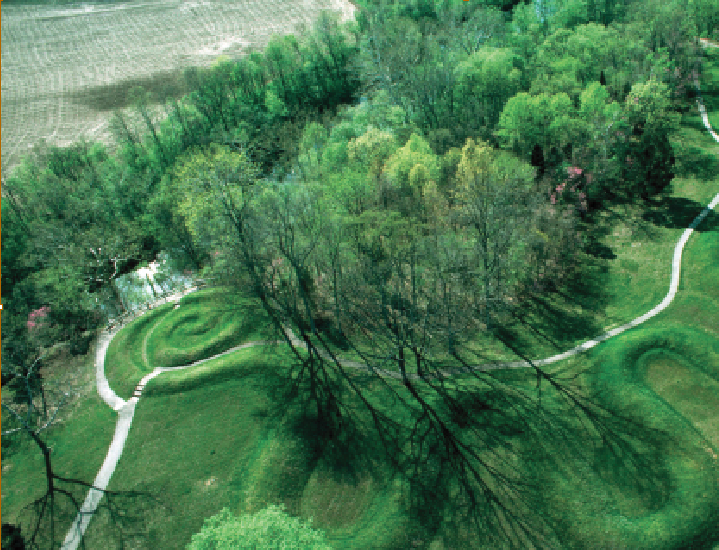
126 409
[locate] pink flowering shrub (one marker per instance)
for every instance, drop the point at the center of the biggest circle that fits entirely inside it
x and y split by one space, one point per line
574 172
580 198
34 318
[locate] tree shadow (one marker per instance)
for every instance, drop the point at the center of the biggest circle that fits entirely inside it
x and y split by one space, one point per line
679 213
692 160
346 447
125 512
161 86
563 315
599 250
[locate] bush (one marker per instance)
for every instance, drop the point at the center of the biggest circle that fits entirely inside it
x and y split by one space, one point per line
270 528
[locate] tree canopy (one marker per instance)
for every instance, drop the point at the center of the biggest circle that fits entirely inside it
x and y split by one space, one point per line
271 529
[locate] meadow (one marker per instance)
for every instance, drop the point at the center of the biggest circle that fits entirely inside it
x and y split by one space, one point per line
244 450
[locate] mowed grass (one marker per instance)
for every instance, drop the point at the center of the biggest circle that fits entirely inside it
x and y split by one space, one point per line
690 391
267 462
79 443
212 437
667 495
201 328
207 322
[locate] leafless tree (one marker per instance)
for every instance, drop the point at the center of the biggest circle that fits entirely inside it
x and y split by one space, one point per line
32 407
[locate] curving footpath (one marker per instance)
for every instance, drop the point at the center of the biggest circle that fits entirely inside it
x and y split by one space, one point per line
126 409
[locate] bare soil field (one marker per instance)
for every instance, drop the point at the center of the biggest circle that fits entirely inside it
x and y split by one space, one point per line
65 69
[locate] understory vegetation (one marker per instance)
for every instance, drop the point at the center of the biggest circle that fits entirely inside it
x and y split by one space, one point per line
393 207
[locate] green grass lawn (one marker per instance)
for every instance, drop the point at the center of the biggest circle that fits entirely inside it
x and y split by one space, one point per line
263 461
79 444
207 322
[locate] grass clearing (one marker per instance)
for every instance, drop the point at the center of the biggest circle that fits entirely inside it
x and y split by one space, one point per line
201 328
245 467
691 392
267 461
220 423
235 452
79 439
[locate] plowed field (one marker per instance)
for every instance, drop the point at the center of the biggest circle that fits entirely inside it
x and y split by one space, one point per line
65 69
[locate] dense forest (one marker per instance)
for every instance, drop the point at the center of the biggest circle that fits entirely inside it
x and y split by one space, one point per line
388 188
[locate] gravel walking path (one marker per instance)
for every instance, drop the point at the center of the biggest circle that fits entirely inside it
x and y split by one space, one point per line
126 409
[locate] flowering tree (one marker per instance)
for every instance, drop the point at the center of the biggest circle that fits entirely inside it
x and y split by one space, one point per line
36 319
573 185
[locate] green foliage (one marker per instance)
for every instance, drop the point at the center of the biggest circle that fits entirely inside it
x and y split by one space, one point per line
372 149
270 528
313 141
485 81
378 111
495 200
649 156
545 119
706 17
198 176
649 105
407 175
352 189
568 60
275 106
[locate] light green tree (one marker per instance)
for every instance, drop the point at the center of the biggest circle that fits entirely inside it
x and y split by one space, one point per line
596 151
201 177
372 149
269 529
485 82
649 156
407 173
545 119
495 200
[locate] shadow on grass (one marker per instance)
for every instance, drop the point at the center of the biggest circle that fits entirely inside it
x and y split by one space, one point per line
334 434
599 250
125 513
561 317
678 213
696 161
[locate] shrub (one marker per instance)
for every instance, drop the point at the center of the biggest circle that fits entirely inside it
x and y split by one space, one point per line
270 528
